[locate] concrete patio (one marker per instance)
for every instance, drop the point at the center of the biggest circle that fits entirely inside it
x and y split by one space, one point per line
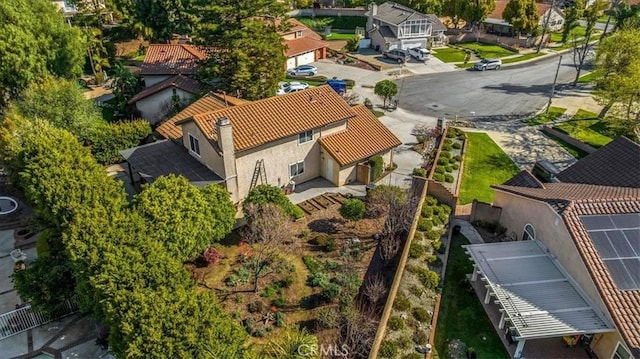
318 186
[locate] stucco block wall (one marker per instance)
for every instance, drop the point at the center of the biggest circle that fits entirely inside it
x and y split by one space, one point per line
604 345
551 231
208 155
150 80
152 107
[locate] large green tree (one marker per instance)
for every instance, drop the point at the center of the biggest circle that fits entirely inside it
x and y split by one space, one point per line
455 10
187 219
475 11
522 15
571 19
35 42
627 15
424 6
385 89
165 17
582 47
618 74
249 58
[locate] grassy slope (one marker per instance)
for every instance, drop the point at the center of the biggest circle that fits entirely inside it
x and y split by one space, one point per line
461 313
586 127
487 51
551 115
449 54
485 164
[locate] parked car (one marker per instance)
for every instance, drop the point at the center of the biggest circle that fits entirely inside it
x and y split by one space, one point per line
419 53
488 64
303 70
290 87
398 55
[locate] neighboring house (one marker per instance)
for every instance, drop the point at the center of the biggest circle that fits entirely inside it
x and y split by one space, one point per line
282 140
590 225
495 23
157 101
393 26
70 8
304 45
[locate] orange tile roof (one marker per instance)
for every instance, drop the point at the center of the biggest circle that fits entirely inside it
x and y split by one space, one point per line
180 82
585 199
171 59
209 102
295 26
302 45
260 122
498 11
364 137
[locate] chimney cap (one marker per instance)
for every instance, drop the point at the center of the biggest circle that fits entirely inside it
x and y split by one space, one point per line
223 121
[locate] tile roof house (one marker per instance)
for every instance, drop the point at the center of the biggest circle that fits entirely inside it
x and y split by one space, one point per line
283 140
495 23
304 45
394 26
590 223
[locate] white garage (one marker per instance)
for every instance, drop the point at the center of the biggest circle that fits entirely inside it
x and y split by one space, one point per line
304 50
291 63
306 58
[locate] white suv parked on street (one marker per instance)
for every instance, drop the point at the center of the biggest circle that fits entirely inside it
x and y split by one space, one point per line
488 64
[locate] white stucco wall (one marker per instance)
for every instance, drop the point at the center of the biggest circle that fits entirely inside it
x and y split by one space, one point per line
208 155
150 80
152 107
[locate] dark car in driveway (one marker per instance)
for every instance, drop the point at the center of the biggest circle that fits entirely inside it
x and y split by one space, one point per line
399 55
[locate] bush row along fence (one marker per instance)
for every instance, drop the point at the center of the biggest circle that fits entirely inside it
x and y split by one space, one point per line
23 319
419 192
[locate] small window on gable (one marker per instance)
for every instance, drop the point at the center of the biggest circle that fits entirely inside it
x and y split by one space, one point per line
194 145
529 233
296 169
305 137
621 352
298 34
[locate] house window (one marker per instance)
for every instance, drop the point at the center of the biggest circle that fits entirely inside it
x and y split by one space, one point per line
194 145
296 169
529 233
298 34
621 352
305 137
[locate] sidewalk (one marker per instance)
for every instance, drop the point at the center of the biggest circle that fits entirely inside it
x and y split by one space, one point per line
576 98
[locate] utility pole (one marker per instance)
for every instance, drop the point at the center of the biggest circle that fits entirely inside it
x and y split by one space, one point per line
553 87
546 24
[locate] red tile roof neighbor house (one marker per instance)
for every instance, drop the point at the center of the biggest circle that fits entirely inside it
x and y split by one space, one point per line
303 45
179 82
171 59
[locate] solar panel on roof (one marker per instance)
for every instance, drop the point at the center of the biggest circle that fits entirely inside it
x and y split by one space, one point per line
617 240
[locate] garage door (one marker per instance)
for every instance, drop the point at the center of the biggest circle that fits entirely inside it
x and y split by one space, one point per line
306 58
291 63
411 44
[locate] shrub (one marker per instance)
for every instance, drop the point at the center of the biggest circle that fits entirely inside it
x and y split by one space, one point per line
255 307
331 265
304 233
448 141
320 240
330 291
264 193
350 82
279 302
280 319
385 194
437 243
243 274
416 250
448 178
450 133
404 342
376 163
395 323
447 147
352 209
286 282
428 278
416 290
317 279
211 256
445 154
421 314
427 210
419 337
327 318
431 201
457 145
443 161
455 166
414 356
350 281
389 349
232 280
420 172
402 303
312 264
439 169
352 44
457 158
269 291
108 139
439 177
424 224
448 169
331 245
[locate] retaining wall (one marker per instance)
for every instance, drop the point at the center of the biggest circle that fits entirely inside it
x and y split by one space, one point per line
568 139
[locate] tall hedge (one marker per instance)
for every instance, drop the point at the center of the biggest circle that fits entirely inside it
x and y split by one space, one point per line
377 166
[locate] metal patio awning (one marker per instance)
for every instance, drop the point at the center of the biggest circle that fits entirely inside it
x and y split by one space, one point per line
536 295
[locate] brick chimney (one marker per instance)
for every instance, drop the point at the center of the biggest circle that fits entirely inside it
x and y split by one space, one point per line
225 142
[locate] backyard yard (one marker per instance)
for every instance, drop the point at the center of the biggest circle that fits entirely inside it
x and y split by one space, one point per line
485 165
487 51
462 317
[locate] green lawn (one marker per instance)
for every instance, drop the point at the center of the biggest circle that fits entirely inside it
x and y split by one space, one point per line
485 164
334 36
588 78
524 57
586 127
336 22
449 54
546 117
461 313
578 32
487 51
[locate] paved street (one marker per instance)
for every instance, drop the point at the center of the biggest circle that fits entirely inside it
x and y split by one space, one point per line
513 90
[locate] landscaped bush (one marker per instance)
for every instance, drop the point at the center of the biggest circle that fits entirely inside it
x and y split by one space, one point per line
445 154
317 279
402 303
264 193
439 169
211 256
404 342
352 209
457 145
279 302
270 291
447 147
377 165
433 235
431 201
424 224
280 319
388 349
421 314
395 323
108 139
457 158
286 282
312 264
416 290
448 141
436 244
420 172
439 177
330 291
317 78
455 166
427 210
327 318
451 133
416 250
385 194
350 82
331 245
320 240
255 307
428 278
331 265
419 337
448 178
448 169
443 161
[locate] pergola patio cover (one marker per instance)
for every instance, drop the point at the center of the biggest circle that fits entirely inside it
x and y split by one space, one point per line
538 298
